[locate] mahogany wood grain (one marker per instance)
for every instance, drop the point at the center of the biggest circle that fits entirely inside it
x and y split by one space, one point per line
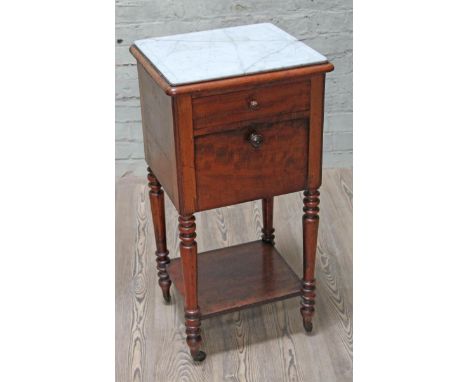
267 229
227 125
269 100
182 109
158 134
156 196
230 170
188 254
238 277
310 224
316 131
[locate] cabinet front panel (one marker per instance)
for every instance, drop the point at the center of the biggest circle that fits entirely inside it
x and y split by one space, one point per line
251 162
251 104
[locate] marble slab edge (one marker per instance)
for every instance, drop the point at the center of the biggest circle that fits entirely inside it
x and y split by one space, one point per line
173 90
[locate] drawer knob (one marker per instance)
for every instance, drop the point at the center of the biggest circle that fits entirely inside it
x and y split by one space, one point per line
255 139
253 104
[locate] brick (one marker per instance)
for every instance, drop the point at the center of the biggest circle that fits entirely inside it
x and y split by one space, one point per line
337 159
140 11
336 84
128 167
126 88
327 142
129 150
343 63
338 122
314 23
340 102
123 56
136 132
128 111
122 132
325 25
342 141
331 43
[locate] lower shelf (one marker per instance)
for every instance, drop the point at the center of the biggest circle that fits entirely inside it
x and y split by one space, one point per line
237 277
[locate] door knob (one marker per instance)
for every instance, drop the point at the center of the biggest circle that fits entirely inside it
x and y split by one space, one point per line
255 139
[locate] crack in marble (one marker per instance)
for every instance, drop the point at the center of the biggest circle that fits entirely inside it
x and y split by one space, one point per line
241 63
270 54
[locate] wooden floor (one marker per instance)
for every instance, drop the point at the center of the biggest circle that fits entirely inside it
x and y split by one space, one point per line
266 343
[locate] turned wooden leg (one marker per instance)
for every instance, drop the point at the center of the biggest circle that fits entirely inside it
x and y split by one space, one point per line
156 195
310 224
188 253
267 209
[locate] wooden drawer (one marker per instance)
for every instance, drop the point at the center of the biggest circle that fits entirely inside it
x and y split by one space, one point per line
229 169
251 104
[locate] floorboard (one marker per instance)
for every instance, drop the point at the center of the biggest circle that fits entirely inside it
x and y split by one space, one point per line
265 343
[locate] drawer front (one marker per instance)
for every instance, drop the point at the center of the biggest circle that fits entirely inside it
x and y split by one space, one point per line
251 104
250 163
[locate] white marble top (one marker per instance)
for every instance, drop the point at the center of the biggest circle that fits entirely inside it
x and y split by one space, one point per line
227 52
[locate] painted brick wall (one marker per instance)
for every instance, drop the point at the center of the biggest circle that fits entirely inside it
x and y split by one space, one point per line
325 25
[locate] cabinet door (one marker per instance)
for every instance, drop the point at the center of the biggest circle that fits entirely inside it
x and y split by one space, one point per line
252 162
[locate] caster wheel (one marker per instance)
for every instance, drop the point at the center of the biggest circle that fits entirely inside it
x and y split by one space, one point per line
199 356
167 297
308 326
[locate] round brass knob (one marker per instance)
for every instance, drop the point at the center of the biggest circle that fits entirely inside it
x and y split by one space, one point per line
255 139
253 104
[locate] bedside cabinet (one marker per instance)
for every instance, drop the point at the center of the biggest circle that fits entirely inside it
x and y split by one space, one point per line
232 115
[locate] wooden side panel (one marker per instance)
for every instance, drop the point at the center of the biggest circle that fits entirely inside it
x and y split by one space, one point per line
316 131
158 133
182 110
